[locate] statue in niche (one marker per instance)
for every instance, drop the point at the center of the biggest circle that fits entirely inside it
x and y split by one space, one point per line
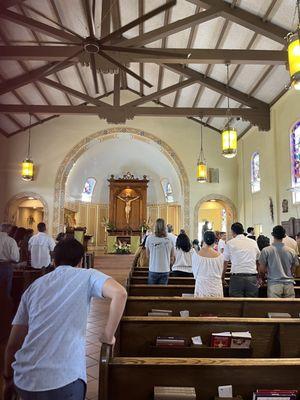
285 206
128 200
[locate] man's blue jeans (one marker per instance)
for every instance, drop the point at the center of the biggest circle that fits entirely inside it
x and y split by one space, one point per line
158 278
73 391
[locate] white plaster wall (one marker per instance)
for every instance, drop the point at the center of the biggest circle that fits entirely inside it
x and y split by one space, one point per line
274 149
54 139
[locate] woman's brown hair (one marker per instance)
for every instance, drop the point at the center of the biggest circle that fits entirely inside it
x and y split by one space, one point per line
160 228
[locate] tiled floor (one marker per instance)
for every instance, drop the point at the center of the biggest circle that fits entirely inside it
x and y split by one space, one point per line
118 267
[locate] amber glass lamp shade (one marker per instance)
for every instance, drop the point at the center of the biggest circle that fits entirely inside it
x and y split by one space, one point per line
27 170
201 172
294 60
229 143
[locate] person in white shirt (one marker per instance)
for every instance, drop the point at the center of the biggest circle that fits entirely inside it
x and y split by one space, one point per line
171 235
222 242
243 254
291 243
183 257
41 246
9 251
45 354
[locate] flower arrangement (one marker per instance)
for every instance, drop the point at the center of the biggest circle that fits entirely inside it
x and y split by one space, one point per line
122 248
146 225
109 226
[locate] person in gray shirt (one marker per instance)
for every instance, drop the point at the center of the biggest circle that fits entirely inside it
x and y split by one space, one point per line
161 254
278 262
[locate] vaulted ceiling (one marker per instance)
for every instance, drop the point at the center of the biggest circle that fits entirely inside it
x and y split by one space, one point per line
67 56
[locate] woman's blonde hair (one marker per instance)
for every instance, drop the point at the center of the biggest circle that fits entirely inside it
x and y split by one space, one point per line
160 228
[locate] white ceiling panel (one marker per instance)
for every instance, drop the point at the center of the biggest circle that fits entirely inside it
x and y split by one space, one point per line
270 87
188 95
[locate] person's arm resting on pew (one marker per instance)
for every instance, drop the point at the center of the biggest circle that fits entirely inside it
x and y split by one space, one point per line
15 342
118 295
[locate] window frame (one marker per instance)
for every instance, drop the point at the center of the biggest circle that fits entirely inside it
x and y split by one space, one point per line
88 196
295 195
255 184
168 195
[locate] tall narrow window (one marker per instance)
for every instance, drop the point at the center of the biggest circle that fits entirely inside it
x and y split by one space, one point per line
88 190
255 173
168 191
295 161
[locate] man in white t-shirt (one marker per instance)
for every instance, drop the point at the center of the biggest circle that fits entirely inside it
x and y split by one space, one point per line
291 243
171 234
243 254
41 246
222 242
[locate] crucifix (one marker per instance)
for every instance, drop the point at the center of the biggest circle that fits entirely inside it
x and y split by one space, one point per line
128 200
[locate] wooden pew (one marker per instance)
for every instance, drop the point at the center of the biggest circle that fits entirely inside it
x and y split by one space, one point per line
270 337
177 290
136 377
230 307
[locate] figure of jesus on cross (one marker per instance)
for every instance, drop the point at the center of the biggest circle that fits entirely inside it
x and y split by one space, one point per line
128 200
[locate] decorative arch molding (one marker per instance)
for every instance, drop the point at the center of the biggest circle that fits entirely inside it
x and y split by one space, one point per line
228 204
107 134
22 195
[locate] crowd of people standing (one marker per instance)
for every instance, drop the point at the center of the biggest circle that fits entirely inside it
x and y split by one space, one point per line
253 263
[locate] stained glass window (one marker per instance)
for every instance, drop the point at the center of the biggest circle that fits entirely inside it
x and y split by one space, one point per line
168 191
295 160
88 190
255 173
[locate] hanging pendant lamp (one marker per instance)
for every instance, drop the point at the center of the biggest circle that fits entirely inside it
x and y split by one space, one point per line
27 164
201 164
229 134
294 53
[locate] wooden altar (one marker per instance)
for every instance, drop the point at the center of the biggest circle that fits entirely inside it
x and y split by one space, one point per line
127 204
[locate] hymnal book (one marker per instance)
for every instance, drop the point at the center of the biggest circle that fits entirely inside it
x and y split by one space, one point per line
174 393
184 313
273 394
187 295
279 315
240 340
171 341
220 340
160 313
225 391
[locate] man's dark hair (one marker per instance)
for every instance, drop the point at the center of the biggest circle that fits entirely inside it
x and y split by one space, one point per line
41 227
169 228
298 235
278 232
209 238
262 242
183 242
68 252
237 228
250 229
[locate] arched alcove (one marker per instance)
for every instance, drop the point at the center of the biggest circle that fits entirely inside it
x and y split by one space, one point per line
111 134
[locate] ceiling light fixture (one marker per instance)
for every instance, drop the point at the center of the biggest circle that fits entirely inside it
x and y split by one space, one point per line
201 164
27 164
293 39
229 135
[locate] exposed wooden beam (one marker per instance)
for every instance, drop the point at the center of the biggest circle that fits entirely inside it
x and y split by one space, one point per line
164 41
105 18
117 90
191 41
116 22
141 11
10 3
219 87
38 26
246 19
89 17
258 117
179 56
160 93
171 28
73 92
3 132
30 77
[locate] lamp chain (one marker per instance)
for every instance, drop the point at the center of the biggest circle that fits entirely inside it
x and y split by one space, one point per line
227 89
29 137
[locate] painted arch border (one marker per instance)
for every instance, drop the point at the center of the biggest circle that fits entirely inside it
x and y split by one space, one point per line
209 197
107 134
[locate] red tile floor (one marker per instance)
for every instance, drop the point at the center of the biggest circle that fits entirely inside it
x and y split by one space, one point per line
117 267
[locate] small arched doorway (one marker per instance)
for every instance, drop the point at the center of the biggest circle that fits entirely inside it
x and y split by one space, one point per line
26 210
218 210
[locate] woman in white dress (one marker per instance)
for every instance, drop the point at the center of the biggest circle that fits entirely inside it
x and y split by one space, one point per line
208 269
